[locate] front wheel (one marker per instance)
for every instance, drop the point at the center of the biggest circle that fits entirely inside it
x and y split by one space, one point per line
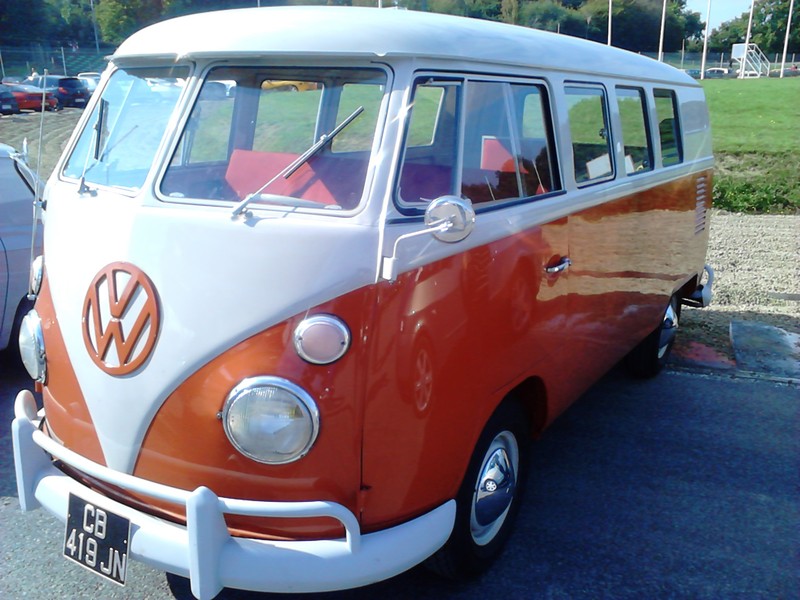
489 497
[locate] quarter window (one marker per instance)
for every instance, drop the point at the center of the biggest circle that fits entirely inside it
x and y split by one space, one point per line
591 139
635 138
669 131
429 159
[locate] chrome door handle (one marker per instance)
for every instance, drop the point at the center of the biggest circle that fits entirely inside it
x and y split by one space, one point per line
562 266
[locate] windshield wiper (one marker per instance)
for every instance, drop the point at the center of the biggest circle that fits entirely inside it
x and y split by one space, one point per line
97 132
290 169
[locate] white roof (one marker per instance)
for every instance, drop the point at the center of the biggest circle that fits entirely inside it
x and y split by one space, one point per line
373 32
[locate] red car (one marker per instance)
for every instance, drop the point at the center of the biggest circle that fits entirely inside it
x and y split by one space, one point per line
29 97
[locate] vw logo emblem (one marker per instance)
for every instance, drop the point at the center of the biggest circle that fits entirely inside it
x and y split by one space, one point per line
120 318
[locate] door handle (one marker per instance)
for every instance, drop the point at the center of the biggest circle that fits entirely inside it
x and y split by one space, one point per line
561 266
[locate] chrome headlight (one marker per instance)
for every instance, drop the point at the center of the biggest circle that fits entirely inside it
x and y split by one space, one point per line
270 420
321 339
31 346
35 283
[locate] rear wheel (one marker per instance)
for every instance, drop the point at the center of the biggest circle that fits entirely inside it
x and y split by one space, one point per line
489 497
652 353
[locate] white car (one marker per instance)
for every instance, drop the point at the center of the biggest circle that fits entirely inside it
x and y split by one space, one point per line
17 185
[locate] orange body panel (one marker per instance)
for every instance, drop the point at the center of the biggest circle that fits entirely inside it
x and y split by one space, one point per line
68 418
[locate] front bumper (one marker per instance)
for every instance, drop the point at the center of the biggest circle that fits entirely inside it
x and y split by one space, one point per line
203 550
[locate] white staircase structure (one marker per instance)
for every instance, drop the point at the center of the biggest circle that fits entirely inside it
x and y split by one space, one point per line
749 61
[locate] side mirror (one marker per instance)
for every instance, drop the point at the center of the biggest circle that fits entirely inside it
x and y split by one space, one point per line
448 218
452 218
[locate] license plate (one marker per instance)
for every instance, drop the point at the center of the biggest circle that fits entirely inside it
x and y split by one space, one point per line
97 539
6 107
79 100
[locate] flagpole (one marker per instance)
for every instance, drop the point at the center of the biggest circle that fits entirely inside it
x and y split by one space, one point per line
786 41
747 40
705 41
661 37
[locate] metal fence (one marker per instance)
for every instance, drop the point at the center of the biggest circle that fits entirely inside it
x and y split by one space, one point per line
692 61
61 60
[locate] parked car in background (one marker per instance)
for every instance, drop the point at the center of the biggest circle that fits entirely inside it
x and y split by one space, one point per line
90 80
8 103
288 86
718 72
17 185
29 97
69 91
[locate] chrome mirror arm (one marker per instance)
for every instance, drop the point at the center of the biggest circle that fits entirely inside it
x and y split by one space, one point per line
449 219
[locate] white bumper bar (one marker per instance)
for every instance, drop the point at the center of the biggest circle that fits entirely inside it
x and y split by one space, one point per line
203 550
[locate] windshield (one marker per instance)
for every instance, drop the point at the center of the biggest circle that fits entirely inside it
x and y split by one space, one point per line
254 134
118 144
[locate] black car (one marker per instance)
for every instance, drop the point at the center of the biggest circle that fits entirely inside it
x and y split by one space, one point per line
69 91
8 103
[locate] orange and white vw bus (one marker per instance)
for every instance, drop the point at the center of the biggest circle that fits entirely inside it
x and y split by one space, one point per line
294 337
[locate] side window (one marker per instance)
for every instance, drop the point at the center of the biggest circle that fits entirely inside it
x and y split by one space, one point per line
591 142
669 130
429 158
507 142
635 138
506 150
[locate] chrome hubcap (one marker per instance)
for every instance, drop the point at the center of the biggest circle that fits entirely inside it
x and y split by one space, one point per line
669 329
495 488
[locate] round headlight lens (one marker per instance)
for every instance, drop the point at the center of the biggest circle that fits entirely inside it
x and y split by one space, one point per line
270 420
31 346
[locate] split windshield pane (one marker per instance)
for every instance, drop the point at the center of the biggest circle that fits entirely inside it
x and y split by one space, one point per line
117 147
250 123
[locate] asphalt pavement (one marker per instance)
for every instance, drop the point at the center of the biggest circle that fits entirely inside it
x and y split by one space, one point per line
684 486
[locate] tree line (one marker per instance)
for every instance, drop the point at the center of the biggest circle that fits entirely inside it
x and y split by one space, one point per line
636 24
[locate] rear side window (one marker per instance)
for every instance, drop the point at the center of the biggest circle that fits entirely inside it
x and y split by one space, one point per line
635 137
591 142
669 130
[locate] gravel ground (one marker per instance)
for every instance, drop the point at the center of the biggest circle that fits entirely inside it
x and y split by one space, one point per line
757 263
756 257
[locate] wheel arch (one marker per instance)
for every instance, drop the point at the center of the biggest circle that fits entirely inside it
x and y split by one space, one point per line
531 394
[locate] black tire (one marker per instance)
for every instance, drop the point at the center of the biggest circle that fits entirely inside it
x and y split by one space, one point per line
479 536
180 587
651 355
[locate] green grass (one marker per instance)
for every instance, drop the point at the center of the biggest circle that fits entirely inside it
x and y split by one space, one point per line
756 135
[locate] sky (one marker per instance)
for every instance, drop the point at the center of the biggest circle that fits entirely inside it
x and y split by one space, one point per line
721 10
